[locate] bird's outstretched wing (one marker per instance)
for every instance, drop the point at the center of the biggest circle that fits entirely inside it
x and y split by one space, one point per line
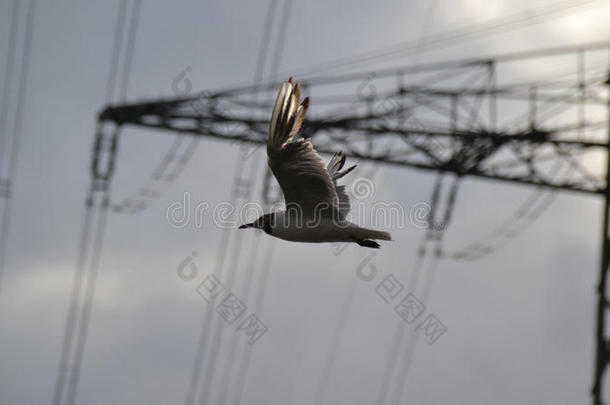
303 178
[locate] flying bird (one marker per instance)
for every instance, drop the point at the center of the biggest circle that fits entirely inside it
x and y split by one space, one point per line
316 207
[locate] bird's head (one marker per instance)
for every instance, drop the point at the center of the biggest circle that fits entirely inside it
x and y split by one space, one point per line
264 222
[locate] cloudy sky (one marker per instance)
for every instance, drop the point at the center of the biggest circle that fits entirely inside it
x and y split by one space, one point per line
519 322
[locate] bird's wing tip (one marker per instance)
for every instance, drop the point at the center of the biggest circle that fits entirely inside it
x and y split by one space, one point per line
287 116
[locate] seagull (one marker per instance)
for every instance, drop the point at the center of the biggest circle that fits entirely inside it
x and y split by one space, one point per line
316 207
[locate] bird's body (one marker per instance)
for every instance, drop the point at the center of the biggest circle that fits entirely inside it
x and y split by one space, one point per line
316 207
313 230
325 229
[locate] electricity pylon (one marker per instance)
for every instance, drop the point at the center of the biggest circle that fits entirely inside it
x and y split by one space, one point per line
489 118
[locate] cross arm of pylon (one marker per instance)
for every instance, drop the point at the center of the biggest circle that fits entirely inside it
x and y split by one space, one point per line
520 156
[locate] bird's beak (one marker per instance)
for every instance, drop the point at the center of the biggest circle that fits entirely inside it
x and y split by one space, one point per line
244 226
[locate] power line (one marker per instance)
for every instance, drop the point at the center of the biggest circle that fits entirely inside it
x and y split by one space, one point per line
71 322
334 79
329 363
333 351
427 23
130 49
277 57
403 371
98 238
399 332
225 381
159 180
81 338
265 41
116 51
8 75
215 324
210 324
527 213
248 282
446 38
257 308
14 150
502 24
216 342
391 363
281 40
96 210
5 184
259 295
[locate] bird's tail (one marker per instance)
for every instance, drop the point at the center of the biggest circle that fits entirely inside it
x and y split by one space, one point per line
359 233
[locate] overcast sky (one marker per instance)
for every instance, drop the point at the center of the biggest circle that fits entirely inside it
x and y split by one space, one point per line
520 322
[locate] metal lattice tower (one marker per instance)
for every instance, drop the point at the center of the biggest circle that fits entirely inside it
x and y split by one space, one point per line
491 118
